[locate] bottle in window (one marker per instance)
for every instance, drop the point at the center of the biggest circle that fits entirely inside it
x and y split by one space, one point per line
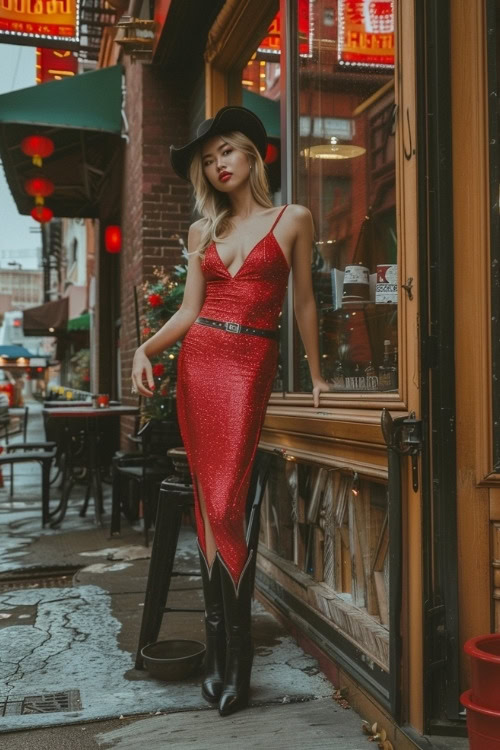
388 372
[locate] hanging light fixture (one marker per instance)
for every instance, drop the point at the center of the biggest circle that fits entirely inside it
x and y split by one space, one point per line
42 214
333 150
113 238
39 188
38 147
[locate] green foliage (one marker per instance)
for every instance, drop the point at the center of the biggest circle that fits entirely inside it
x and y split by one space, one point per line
79 371
162 297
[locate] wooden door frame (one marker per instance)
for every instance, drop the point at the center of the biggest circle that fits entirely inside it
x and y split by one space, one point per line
477 487
238 28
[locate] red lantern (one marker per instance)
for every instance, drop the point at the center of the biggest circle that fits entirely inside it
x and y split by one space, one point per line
39 188
113 239
38 147
42 214
271 153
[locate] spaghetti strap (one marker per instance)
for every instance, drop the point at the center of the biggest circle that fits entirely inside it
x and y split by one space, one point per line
278 217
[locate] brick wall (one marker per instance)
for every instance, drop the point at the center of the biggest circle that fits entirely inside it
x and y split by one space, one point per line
156 203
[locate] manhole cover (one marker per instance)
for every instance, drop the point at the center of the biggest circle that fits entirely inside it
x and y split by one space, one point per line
45 703
47 578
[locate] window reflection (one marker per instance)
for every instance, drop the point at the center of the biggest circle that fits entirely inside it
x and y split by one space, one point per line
260 84
346 176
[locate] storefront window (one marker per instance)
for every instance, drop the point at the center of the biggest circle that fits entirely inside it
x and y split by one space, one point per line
260 82
261 86
332 526
346 176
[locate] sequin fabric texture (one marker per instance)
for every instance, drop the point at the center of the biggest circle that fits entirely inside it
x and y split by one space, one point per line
223 387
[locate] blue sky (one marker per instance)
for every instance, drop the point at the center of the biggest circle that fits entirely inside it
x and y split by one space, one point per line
17 71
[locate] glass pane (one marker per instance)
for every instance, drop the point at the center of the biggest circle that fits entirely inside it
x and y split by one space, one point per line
333 527
260 83
346 176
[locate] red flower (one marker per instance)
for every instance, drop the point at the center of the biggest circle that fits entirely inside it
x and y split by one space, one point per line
158 370
146 331
155 300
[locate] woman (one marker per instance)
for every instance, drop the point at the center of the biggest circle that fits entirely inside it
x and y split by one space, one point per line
239 257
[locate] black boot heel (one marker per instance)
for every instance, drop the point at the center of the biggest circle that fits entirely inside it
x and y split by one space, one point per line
239 655
215 655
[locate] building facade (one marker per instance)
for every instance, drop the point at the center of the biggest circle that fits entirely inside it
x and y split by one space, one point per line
380 541
379 530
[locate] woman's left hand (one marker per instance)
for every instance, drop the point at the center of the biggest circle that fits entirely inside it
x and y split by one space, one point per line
319 386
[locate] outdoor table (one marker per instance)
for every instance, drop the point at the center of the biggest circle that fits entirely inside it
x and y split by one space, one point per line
71 404
90 418
65 403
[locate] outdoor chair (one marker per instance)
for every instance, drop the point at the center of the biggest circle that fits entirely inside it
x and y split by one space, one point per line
44 454
138 476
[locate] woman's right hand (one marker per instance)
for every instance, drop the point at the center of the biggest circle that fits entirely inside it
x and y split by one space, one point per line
142 371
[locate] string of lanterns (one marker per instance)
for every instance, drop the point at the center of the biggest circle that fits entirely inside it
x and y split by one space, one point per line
39 147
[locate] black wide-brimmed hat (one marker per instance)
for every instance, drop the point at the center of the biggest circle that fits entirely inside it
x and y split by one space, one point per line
227 120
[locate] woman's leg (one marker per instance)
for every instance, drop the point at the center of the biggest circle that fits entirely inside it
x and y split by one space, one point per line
210 544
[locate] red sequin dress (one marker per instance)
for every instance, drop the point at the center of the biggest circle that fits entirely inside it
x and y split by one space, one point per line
223 387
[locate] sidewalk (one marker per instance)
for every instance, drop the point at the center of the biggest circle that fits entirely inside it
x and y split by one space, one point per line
70 611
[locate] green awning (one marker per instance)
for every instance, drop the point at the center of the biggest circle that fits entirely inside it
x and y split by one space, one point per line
82 116
267 109
81 323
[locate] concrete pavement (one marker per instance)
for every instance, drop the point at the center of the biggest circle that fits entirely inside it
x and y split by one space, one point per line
69 621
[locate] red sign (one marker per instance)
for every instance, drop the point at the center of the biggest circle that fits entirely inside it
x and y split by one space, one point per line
34 21
366 33
55 64
272 42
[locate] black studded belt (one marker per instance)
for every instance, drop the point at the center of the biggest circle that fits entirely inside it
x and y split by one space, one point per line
238 328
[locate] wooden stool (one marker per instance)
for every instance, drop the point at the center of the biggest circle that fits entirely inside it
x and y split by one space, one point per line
177 497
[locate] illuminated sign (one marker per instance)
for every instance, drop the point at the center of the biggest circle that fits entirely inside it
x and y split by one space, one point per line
272 43
39 22
55 64
366 33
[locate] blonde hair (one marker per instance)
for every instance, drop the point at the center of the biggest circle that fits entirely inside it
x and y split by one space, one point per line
215 206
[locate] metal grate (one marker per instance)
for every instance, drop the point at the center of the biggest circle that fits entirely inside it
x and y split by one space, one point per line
46 703
47 578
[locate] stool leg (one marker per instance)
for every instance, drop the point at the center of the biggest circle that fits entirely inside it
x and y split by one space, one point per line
147 489
167 526
45 491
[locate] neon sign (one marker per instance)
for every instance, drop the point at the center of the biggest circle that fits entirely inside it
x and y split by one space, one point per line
39 22
55 64
272 42
366 33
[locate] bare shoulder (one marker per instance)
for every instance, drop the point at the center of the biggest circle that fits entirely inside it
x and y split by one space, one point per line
299 219
196 229
298 211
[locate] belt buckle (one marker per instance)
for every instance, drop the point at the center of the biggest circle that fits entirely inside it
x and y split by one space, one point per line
232 327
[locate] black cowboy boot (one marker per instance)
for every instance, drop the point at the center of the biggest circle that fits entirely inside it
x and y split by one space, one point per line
239 654
215 655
